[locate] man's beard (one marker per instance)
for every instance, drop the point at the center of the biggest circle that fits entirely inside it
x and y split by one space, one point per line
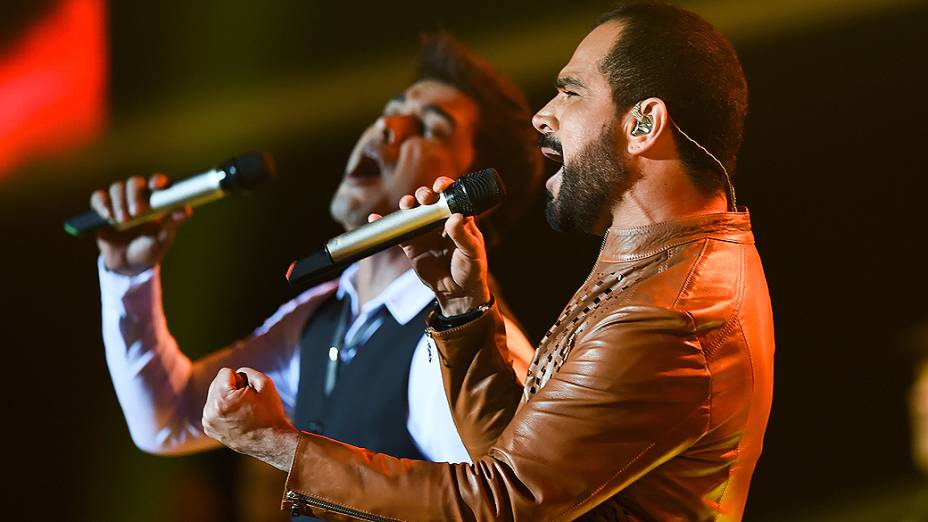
588 184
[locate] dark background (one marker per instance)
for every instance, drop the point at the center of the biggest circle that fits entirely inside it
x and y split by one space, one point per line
832 171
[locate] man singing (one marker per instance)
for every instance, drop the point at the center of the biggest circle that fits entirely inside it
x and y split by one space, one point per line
649 396
382 388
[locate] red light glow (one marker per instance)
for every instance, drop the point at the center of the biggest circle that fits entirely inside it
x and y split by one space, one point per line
53 83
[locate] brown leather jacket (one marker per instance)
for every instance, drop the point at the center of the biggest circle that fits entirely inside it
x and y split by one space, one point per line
647 399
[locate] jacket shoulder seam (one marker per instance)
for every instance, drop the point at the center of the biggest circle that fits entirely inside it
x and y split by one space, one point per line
734 320
731 467
687 283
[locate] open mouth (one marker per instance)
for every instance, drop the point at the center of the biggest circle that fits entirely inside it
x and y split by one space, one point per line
551 148
368 169
552 155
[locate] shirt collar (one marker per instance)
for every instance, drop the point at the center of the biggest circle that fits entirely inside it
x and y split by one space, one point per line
404 298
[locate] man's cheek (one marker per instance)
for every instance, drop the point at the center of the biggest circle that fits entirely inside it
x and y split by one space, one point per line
421 161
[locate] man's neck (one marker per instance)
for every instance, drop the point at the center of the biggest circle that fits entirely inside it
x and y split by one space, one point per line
656 199
376 272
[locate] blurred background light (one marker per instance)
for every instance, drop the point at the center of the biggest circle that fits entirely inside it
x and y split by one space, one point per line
94 91
53 83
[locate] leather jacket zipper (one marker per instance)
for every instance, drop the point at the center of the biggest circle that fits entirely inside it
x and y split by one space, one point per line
297 499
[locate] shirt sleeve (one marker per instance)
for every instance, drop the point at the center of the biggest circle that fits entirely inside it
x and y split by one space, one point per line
429 421
160 390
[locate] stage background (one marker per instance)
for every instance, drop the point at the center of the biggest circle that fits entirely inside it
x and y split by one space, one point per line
832 170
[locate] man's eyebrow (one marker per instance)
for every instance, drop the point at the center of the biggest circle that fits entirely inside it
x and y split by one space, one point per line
435 109
564 82
442 113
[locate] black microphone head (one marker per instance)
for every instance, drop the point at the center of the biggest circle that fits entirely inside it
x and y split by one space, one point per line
248 171
476 192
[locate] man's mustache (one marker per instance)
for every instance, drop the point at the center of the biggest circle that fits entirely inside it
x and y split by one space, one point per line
549 141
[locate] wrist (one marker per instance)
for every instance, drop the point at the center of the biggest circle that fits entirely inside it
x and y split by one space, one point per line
128 271
112 264
441 322
279 447
461 305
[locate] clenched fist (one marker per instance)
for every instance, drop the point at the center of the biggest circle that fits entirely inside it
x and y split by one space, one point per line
246 415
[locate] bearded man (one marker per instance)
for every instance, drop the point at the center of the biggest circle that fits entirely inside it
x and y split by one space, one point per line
649 396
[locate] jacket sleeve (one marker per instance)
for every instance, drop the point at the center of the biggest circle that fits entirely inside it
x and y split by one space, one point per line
632 394
480 384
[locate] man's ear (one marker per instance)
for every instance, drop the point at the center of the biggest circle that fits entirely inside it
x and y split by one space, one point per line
645 125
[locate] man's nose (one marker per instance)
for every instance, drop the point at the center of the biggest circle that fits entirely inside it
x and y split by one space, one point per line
544 120
396 128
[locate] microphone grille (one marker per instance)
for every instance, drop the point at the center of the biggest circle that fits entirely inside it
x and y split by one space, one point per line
250 170
476 192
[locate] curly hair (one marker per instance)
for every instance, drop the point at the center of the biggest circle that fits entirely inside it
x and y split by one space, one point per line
504 138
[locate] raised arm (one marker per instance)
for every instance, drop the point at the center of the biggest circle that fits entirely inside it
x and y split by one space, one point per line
480 384
160 390
482 389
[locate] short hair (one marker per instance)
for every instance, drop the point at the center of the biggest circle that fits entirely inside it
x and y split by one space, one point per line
673 54
504 138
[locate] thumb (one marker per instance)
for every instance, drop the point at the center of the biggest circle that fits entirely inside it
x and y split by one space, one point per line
223 388
256 380
225 380
158 181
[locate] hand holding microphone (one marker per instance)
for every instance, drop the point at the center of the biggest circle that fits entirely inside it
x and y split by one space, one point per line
135 221
456 274
452 261
136 249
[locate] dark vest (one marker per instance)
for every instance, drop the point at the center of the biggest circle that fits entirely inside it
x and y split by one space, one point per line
369 405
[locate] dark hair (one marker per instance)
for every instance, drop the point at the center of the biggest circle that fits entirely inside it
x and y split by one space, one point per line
673 54
504 138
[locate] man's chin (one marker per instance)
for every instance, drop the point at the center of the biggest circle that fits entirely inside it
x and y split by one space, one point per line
553 215
348 216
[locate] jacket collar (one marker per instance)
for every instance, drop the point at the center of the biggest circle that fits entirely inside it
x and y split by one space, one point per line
631 244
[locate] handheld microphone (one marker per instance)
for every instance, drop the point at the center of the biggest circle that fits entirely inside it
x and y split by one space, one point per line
472 194
242 173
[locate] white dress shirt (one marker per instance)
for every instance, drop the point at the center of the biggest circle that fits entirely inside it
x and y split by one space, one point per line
162 392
